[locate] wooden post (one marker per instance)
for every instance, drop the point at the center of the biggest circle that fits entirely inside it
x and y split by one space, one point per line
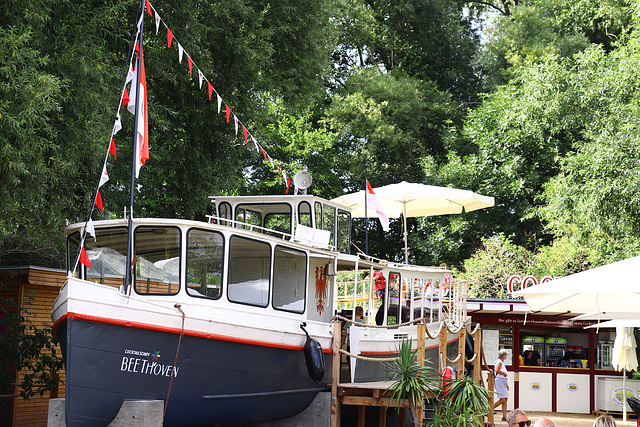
335 374
422 331
490 385
442 350
477 351
462 340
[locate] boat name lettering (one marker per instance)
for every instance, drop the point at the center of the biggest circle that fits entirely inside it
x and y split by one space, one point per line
137 352
146 367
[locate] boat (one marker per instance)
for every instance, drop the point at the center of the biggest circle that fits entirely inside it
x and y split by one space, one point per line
219 311
230 319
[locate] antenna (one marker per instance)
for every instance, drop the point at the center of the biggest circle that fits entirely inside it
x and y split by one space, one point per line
302 180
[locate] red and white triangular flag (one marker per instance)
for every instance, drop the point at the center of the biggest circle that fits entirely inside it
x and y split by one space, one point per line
117 125
157 18
148 8
104 177
235 121
91 229
98 201
180 52
246 134
142 119
288 184
190 65
169 38
84 258
112 149
125 98
228 112
200 76
210 89
219 103
373 201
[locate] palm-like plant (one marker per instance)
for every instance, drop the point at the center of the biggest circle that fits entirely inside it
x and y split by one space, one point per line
465 404
412 380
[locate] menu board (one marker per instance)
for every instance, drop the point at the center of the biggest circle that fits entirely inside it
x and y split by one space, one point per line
490 344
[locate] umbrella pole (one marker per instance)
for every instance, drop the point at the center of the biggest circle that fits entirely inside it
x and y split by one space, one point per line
624 395
406 247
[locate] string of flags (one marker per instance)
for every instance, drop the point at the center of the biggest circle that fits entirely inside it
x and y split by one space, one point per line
138 87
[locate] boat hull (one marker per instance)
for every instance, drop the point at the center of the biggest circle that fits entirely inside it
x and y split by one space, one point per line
214 381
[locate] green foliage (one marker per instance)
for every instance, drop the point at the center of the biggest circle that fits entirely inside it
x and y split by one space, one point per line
26 349
412 381
465 404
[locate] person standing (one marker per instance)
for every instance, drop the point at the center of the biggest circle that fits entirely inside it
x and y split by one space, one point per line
502 382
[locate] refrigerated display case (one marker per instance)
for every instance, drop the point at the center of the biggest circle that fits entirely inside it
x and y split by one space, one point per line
604 355
535 344
554 350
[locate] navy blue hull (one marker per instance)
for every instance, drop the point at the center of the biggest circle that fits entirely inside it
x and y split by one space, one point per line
214 381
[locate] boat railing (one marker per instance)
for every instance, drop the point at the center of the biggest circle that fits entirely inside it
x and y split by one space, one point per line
304 234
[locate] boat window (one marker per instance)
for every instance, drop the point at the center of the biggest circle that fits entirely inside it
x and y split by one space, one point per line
249 271
224 211
106 253
318 209
158 260
304 214
73 241
344 228
205 258
247 218
280 223
289 279
329 221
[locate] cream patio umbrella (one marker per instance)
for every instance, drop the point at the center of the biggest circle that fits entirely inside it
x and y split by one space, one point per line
412 200
624 359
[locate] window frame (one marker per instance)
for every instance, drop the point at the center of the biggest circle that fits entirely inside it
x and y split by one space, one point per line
269 276
222 274
306 279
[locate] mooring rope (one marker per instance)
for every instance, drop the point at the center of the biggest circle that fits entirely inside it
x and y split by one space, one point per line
175 361
370 359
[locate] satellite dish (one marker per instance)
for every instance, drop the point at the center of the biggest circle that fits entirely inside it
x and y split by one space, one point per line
302 180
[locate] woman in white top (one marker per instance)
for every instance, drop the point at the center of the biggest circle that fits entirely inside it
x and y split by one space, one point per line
502 383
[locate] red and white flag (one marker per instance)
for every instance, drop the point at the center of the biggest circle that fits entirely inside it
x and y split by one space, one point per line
142 117
372 201
84 258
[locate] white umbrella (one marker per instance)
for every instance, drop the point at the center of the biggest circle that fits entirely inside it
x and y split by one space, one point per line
624 359
610 288
412 200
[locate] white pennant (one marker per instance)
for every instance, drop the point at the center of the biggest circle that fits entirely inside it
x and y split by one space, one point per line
200 76
157 22
130 75
91 229
255 144
180 51
235 119
284 176
219 103
104 177
117 125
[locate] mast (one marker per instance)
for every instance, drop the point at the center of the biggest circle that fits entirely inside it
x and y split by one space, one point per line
129 261
366 219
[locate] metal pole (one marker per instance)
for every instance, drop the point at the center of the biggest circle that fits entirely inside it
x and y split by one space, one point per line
129 260
366 219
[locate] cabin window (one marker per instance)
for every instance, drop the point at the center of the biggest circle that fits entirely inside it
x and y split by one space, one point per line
205 258
280 223
249 271
245 218
289 279
224 211
107 255
304 214
344 228
394 299
158 264
329 222
318 214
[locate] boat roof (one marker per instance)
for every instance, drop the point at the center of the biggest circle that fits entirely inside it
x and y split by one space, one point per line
286 198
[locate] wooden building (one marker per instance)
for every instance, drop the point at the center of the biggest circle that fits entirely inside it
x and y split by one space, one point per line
34 289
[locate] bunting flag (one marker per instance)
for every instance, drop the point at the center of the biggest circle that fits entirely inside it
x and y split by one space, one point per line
84 258
228 112
112 149
288 184
98 202
373 201
157 18
117 125
235 121
190 65
125 98
148 8
91 229
104 177
279 171
246 136
263 152
180 53
142 118
219 103
210 87
200 76
169 38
